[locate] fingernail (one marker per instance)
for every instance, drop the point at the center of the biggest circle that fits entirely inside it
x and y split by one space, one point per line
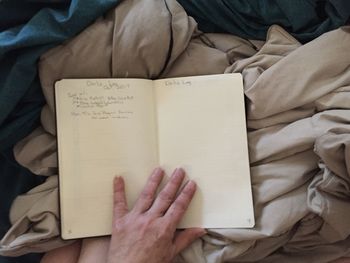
157 171
117 180
191 184
178 172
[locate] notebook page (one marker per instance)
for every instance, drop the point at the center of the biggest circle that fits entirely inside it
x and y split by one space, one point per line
106 127
201 127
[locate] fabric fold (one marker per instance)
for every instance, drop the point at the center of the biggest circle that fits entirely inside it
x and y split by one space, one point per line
297 113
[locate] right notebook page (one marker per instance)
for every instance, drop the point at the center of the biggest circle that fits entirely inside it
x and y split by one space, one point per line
201 128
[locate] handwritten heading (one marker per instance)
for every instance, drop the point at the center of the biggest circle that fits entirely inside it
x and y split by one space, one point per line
178 82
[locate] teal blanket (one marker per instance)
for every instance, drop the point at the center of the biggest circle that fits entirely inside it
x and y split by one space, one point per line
304 19
29 28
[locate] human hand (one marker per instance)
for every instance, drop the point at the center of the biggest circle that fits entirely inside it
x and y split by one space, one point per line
148 233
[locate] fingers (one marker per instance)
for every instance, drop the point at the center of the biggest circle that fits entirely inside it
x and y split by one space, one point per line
167 195
147 195
180 205
119 199
186 237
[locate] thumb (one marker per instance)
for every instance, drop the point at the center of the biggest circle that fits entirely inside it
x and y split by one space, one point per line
186 237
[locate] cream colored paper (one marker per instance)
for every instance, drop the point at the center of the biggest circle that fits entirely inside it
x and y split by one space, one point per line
109 127
112 132
201 127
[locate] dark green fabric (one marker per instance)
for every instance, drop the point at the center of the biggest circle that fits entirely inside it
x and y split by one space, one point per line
304 19
21 98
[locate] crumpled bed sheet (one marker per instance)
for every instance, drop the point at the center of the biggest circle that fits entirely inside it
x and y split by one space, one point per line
298 117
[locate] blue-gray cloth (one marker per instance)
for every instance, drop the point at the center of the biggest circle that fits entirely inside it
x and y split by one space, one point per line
19 12
47 24
304 19
20 48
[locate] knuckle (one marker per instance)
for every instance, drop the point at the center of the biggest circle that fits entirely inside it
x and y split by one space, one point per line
173 184
165 230
117 202
166 196
116 198
180 205
145 224
154 179
173 218
146 220
119 211
146 195
118 224
169 226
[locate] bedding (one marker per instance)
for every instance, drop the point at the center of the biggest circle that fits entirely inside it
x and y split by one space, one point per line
28 29
298 117
303 19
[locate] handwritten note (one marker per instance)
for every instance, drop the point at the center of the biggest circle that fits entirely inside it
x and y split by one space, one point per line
178 82
107 84
113 104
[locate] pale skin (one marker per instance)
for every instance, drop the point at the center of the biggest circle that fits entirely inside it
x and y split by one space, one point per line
147 232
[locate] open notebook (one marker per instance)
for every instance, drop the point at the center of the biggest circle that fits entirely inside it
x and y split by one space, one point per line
127 127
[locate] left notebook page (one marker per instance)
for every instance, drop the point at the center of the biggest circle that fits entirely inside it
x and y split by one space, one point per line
104 128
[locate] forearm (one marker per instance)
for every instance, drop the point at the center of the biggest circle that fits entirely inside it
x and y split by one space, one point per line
94 250
67 254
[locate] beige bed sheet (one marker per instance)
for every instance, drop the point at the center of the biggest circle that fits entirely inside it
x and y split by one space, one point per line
298 111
